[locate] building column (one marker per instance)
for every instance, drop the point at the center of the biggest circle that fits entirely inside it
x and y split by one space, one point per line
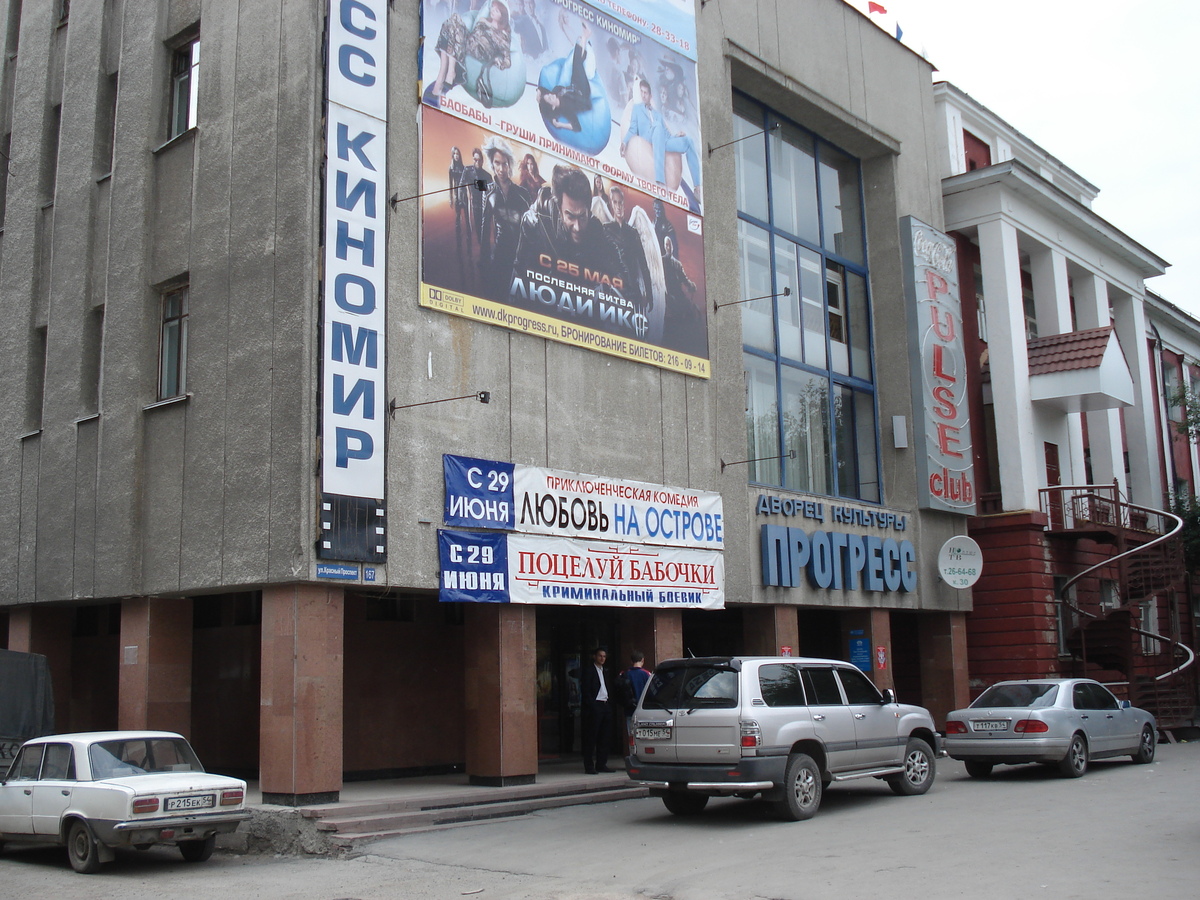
1051 291
1103 425
1008 356
1141 433
766 630
658 633
300 718
47 630
1052 301
155 678
876 626
501 666
944 679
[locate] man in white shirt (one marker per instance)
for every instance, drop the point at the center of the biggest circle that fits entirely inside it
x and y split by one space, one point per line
596 691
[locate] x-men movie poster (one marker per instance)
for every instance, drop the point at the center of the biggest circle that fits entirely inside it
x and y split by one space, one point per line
561 174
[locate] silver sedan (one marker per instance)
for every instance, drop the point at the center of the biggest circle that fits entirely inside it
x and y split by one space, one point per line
1059 721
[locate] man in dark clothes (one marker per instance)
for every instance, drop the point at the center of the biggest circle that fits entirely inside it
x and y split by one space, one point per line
562 234
506 202
596 694
470 174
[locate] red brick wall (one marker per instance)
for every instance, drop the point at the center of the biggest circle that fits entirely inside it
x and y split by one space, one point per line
1012 631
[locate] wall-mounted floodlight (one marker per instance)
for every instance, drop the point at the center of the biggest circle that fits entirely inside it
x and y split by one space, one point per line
479 184
786 292
791 454
481 396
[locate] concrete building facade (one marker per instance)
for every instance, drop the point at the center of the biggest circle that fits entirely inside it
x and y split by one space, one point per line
189 207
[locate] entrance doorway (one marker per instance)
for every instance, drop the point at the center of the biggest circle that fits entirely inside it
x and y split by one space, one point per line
566 637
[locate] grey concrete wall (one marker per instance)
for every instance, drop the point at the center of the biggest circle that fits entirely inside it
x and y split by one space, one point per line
214 490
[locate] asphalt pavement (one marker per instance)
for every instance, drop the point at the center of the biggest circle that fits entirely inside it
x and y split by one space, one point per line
1120 831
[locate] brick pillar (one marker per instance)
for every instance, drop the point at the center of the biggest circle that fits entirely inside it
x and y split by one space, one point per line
501 666
944 685
876 627
766 630
657 632
47 630
300 719
155 677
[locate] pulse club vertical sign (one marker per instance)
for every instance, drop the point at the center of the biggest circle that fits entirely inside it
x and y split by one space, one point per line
946 475
353 292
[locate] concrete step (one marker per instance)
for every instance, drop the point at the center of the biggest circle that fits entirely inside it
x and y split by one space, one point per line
466 797
353 831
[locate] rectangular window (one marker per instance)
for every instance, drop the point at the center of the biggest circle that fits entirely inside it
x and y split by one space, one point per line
89 361
35 389
106 124
808 359
185 80
1151 646
1068 619
172 367
978 154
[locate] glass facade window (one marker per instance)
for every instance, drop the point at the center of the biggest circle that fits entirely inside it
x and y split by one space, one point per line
185 86
810 382
172 365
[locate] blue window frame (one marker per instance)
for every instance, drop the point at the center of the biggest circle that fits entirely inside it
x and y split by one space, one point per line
811 420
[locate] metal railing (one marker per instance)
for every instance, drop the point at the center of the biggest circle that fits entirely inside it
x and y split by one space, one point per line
1090 507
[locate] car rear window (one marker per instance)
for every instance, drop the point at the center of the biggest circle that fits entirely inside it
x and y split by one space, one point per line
141 756
1018 696
692 687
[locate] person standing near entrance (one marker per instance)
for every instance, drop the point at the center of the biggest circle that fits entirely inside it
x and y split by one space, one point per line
596 691
632 681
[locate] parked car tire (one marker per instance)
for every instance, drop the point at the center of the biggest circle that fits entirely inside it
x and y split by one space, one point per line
802 789
919 770
198 851
81 848
1146 747
1075 763
977 768
685 804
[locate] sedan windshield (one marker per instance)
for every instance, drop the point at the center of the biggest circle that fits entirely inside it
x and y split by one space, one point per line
692 687
141 756
1018 696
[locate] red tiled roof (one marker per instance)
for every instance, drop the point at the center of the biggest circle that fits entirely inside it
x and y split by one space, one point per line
1066 352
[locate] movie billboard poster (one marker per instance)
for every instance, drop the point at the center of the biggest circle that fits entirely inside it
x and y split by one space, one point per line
569 255
607 86
573 132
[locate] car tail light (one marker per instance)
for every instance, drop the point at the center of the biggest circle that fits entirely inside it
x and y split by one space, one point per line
954 727
145 804
1031 726
232 798
751 735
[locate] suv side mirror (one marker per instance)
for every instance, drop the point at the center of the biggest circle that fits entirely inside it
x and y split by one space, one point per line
889 696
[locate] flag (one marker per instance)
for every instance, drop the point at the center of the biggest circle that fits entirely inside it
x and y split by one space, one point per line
877 8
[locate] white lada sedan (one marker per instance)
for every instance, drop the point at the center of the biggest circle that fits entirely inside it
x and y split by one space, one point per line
93 792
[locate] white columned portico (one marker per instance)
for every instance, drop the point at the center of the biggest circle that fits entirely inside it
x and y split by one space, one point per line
1008 357
1104 425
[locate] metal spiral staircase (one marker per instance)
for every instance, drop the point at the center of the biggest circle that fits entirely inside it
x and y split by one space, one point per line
1107 636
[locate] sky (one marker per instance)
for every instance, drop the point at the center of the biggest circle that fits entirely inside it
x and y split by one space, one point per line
1110 88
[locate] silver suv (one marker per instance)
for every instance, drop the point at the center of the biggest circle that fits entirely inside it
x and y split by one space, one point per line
782 727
